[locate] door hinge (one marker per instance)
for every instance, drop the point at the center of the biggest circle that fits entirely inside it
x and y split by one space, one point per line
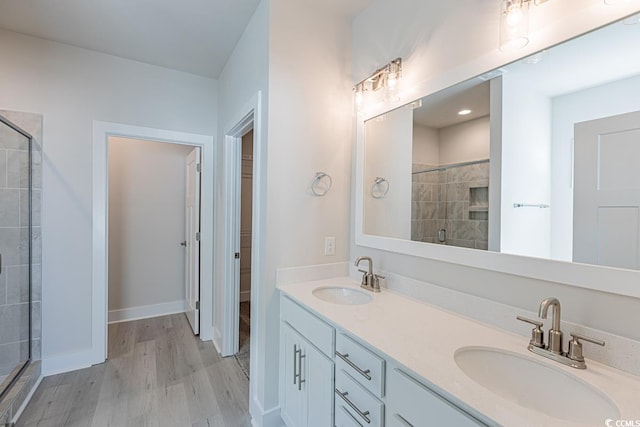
197 305
199 167
198 236
237 255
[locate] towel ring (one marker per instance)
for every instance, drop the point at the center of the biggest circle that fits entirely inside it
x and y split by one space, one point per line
380 188
321 186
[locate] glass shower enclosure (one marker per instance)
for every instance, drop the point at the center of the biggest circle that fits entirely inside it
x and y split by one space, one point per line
16 196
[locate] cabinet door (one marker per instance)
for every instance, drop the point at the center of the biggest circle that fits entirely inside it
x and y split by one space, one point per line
292 394
318 381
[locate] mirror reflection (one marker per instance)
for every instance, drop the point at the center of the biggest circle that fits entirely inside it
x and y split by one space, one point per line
538 158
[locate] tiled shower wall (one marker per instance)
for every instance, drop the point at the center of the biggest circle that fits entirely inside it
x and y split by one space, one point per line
14 277
456 200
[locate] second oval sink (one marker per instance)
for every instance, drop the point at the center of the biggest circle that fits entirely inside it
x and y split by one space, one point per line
536 385
341 295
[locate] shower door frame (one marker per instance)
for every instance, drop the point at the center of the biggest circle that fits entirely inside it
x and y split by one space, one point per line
18 370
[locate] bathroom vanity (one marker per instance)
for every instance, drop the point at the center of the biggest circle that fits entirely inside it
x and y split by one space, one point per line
349 357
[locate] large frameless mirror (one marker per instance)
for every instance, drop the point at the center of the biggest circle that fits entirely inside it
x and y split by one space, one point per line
538 158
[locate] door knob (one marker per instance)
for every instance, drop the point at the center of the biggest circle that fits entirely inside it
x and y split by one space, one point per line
183 243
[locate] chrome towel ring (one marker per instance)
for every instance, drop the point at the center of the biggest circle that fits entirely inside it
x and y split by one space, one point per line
380 188
321 183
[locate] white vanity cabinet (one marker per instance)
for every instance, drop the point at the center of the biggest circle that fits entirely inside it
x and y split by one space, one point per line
331 379
306 369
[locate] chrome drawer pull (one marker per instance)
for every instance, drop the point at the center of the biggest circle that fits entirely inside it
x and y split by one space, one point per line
295 362
345 357
351 417
403 420
364 415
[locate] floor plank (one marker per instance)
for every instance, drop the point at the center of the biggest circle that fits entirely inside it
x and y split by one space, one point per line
158 374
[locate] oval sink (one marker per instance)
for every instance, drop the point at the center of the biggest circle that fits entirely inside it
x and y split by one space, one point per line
341 295
535 385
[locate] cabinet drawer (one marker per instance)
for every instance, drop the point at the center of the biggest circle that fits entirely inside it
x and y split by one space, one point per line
344 417
308 325
410 403
357 401
363 365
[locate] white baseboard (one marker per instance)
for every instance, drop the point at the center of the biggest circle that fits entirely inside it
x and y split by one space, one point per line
217 340
66 362
245 296
146 311
262 418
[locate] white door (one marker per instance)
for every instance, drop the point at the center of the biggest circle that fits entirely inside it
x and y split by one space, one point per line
606 218
192 239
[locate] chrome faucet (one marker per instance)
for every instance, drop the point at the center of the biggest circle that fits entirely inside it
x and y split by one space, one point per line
370 281
555 334
554 350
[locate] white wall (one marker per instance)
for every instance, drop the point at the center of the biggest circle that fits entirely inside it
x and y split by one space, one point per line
426 147
607 100
526 167
389 136
310 130
245 74
71 87
464 142
146 226
436 55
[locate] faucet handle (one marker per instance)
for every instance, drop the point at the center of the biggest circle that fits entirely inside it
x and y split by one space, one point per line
537 336
363 271
575 346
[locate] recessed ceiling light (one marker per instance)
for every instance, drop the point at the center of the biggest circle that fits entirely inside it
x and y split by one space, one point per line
464 112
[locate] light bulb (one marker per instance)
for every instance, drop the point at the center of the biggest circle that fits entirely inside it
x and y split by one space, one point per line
514 24
392 81
514 16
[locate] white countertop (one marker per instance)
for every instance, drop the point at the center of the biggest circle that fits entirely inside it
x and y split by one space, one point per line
424 338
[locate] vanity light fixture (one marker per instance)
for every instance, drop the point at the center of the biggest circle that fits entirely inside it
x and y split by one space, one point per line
383 78
359 95
514 23
464 112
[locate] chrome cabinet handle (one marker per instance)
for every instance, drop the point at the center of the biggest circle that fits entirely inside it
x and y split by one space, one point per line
403 420
351 417
345 357
300 379
363 415
295 361
297 366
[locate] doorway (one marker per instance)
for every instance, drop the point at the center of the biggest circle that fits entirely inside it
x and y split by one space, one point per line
102 131
246 199
153 230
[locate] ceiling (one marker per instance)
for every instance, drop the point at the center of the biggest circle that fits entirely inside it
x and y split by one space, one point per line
195 36
441 109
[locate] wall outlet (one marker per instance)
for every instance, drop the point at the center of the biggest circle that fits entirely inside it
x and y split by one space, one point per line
329 245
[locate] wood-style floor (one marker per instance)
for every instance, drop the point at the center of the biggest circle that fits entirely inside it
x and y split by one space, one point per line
158 374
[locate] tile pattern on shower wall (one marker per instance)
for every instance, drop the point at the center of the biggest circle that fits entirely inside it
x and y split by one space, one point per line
14 239
456 200
14 278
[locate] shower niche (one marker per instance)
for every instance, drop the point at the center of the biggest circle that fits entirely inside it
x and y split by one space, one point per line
20 278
